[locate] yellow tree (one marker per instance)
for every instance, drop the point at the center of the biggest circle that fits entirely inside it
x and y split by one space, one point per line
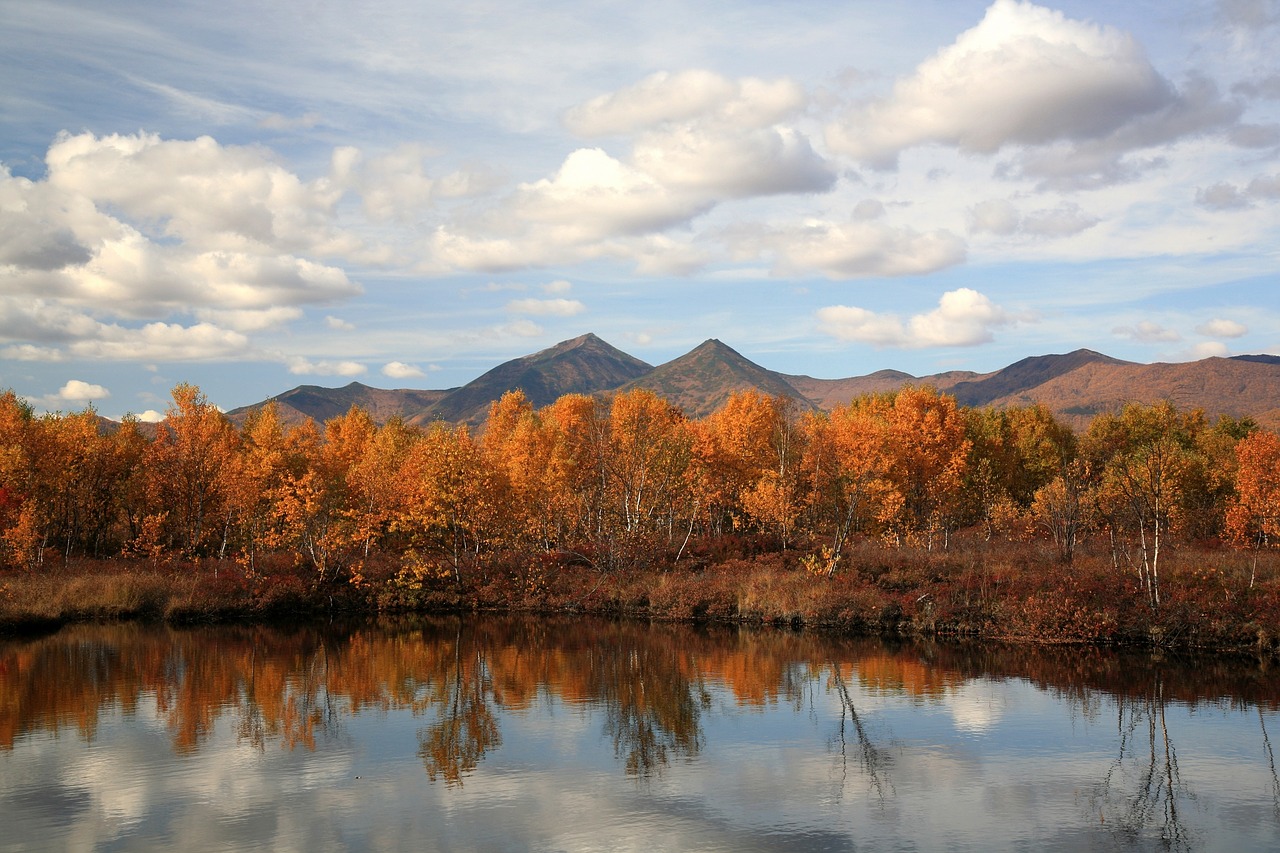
1143 456
644 464
528 489
448 516
576 477
22 522
929 453
1253 517
187 470
731 450
847 465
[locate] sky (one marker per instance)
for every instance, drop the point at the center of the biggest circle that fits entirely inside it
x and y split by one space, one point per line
253 196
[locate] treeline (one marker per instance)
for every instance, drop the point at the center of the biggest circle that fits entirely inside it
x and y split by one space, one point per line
624 483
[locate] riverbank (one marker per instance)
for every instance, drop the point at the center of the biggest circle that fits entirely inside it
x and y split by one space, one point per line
1211 598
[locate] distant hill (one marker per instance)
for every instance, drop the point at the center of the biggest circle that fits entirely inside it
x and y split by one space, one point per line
321 404
1076 386
1021 376
584 365
1220 386
701 380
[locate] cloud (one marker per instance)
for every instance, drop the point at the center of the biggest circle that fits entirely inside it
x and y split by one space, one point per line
1030 76
963 317
250 319
546 307
1221 196
1228 196
1147 332
143 227
151 416
301 366
1222 328
665 98
78 391
557 287
400 370
849 250
764 161
338 324
1205 349
700 140
208 195
998 216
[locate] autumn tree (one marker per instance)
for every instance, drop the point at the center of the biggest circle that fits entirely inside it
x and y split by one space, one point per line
576 476
847 468
644 465
1253 516
521 452
1143 456
1014 453
928 458
186 483
448 516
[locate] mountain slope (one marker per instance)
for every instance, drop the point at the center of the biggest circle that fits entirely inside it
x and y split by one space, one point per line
1075 386
1025 375
583 365
1219 386
320 404
701 380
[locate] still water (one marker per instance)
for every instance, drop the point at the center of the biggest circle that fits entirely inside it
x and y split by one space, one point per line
526 734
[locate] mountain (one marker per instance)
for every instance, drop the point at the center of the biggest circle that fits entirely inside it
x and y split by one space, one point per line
320 404
1219 386
584 365
829 393
1076 386
701 380
1022 376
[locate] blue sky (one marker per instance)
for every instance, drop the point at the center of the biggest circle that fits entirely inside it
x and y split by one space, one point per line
254 196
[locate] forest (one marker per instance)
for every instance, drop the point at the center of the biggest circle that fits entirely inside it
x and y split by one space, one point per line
898 511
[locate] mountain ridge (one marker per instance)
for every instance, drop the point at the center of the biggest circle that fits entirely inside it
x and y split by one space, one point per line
1076 386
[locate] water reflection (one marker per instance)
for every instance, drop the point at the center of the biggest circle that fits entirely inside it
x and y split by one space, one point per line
794 735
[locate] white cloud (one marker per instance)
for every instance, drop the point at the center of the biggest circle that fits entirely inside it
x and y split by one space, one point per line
559 287
1147 332
301 366
1227 196
546 307
1222 328
1030 76
995 216
1222 196
1001 217
151 416
338 324
666 98
77 391
1206 349
849 250
738 164
400 370
248 319
963 317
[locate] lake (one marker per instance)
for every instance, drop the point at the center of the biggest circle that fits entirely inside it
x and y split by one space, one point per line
566 734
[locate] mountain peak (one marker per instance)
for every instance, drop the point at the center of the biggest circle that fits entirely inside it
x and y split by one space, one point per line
701 380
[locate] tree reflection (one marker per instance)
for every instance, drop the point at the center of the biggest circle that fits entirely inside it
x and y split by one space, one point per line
872 760
652 708
466 726
651 685
1143 787
1271 765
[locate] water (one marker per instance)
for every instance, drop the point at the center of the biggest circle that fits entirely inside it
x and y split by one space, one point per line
566 735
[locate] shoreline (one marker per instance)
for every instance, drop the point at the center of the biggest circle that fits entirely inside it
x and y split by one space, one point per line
1209 608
